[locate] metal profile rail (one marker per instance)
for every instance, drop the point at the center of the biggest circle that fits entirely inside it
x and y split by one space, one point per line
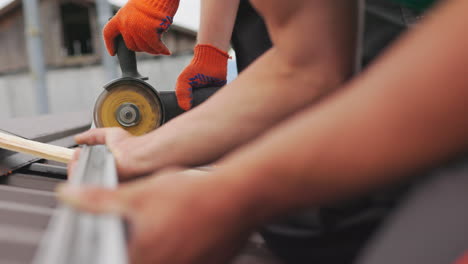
75 237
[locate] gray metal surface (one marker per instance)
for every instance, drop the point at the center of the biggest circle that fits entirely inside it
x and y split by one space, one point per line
74 237
48 127
430 225
104 13
36 54
27 202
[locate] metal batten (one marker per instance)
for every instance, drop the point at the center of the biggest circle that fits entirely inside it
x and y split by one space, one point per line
75 237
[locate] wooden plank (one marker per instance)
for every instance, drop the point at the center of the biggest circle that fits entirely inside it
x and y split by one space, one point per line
57 129
11 161
35 148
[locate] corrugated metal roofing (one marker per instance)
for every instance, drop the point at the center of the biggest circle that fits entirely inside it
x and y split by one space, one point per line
27 199
27 184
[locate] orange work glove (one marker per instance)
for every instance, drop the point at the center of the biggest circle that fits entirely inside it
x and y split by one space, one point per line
141 24
207 69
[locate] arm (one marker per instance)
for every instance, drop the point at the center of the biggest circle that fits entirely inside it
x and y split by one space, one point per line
288 77
213 29
377 129
208 67
407 112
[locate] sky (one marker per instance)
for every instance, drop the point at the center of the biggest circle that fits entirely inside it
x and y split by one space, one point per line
4 2
187 16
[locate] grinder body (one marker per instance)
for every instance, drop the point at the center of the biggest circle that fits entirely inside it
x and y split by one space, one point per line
134 105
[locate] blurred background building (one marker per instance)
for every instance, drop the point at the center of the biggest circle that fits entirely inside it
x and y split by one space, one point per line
72 52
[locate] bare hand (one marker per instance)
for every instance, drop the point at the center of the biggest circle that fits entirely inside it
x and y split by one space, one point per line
175 217
123 146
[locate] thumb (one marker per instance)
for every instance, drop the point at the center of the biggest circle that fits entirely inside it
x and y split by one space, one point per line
184 90
72 164
99 136
110 32
93 199
163 49
157 47
92 137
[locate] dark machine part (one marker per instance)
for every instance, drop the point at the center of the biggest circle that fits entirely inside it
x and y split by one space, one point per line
171 107
134 105
250 38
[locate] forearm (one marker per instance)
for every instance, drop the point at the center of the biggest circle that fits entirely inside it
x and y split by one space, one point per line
254 102
217 22
407 112
267 92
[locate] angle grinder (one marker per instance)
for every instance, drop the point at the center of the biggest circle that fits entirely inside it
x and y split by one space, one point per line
134 105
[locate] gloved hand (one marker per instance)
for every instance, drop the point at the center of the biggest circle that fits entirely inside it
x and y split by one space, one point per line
207 69
141 24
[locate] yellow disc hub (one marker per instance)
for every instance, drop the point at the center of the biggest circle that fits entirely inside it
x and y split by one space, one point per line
131 106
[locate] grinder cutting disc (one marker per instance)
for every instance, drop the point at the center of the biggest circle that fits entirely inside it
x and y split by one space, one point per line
130 104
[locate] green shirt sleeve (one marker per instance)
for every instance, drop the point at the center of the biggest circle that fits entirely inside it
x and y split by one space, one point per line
419 5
